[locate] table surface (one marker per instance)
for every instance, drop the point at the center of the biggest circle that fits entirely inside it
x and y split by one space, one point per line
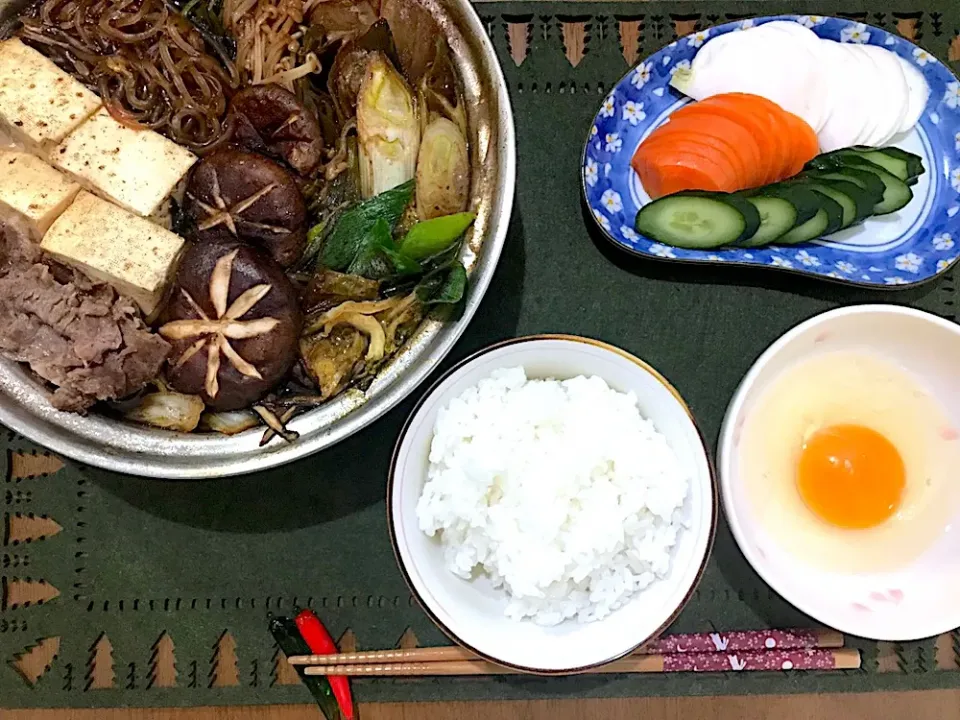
918 705
931 704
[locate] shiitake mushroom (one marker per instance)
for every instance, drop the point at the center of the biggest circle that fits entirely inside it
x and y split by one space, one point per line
270 120
238 195
234 321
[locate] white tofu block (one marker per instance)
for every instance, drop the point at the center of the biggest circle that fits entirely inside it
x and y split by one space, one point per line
40 104
137 169
111 245
32 190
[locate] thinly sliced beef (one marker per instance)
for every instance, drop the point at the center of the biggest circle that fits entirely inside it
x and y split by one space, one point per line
80 336
16 247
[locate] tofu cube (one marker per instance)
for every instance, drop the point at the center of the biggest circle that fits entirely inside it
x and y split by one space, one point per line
111 245
32 190
137 169
40 104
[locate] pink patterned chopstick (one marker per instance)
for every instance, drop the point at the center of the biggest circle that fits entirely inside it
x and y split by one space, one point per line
750 660
811 659
743 640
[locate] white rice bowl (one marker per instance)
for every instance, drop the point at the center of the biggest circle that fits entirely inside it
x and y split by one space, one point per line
560 491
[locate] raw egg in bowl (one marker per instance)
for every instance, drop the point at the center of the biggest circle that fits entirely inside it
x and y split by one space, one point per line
839 465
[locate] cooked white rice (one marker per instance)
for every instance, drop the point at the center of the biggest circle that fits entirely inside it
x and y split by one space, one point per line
561 492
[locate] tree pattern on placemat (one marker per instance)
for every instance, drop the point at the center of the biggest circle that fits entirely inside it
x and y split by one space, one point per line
347 642
163 663
26 528
100 674
517 37
887 660
954 54
408 641
33 661
224 671
907 27
684 26
33 465
574 37
630 39
283 672
24 592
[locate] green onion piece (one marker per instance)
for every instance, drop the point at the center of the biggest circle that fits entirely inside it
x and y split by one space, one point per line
434 236
402 263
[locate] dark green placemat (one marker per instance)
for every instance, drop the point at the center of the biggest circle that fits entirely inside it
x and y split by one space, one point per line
203 561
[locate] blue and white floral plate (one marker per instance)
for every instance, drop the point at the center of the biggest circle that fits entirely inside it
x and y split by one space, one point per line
911 246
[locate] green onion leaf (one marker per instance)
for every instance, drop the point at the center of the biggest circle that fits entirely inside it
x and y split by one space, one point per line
343 248
445 286
370 261
430 237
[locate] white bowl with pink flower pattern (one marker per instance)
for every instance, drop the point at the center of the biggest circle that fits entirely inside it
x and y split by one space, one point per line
890 598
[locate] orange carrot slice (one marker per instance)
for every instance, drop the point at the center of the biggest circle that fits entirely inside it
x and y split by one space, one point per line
721 134
796 140
680 177
752 134
679 167
805 143
665 146
727 142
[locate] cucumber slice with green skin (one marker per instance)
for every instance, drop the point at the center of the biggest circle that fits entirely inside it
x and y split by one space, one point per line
897 168
847 203
847 157
827 162
896 193
863 205
855 201
903 165
899 163
810 230
698 221
777 205
804 200
777 216
834 215
828 219
859 176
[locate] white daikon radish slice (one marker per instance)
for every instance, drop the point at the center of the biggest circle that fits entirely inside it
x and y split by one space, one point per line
794 28
804 44
683 80
758 63
891 90
846 115
918 93
712 49
865 97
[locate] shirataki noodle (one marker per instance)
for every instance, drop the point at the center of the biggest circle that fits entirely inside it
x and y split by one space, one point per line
150 66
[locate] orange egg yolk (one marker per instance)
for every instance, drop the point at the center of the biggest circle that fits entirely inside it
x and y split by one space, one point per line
851 476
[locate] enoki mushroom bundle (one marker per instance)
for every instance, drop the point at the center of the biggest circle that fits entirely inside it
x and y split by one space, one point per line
268 35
